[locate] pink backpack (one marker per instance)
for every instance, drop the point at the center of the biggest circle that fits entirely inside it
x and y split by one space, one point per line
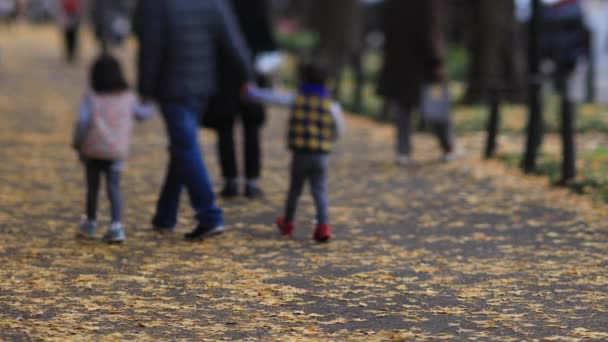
111 124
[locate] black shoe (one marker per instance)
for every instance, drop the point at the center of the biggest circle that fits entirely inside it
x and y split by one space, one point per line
230 190
201 233
163 230
253 192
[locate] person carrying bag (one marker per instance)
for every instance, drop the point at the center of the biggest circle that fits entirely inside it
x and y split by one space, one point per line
416 25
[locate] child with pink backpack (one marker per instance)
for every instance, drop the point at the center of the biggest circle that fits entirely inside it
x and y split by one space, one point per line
101 137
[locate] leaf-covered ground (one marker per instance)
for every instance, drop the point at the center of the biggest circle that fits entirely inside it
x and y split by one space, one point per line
432 251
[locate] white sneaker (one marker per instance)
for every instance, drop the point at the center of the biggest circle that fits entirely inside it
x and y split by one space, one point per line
403 160
115 234
87 230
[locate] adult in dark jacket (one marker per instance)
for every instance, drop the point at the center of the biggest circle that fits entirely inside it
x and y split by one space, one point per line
177 60
497 59
255 23
413 57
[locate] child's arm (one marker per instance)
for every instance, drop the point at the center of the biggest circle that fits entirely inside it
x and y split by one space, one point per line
143 111
269 96
82 123
336 113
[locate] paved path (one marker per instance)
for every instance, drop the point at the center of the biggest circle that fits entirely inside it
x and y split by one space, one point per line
432 251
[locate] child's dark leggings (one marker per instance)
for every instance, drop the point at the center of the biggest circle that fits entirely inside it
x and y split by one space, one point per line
94 169
311 167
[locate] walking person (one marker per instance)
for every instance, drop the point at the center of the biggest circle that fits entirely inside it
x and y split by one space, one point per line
414 57
227 106
177 64
111 21
101 138
315 123
70 13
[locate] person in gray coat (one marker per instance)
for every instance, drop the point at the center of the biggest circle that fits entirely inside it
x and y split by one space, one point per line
414 55
178 48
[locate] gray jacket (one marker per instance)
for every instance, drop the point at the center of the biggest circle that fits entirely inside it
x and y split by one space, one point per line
179 43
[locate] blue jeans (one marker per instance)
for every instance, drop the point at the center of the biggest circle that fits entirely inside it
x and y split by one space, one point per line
186 167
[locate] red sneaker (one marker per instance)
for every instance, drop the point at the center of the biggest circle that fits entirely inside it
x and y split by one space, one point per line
322 233
286 228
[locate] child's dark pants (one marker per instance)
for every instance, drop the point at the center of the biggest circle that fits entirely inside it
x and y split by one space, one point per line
94 170
312 167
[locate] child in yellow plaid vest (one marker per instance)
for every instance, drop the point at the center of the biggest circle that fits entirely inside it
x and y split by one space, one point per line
315 123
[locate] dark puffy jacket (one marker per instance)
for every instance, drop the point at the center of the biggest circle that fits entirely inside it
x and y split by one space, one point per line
414 48
179 42
255 23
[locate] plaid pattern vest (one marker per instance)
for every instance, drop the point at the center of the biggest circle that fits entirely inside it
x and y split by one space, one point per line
311 126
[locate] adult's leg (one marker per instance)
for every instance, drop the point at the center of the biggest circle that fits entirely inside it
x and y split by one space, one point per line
181 119
253 117
253 152
168 203
446 135
92 171
226 152
404 130
318 186
298 178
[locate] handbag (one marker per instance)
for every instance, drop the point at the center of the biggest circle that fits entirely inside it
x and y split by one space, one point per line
435 104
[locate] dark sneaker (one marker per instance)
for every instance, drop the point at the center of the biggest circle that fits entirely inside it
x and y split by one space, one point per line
163 229
286 228
202 232
87 230
253 192
230 190
116 234
322 233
